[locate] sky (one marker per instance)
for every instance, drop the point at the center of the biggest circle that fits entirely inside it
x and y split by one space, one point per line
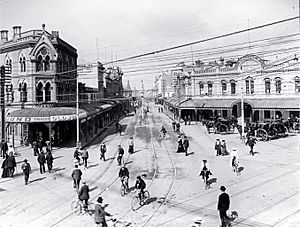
116 29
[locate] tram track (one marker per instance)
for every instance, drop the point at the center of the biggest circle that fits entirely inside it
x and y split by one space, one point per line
91 183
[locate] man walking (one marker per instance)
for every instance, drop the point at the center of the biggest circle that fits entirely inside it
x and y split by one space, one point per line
223 206
76 176
120 155
218 147
42 160
130 145
100 213
251 142
4 148
83 194
174 126
26 170
189 119
186 145
102 151
85 156
49 160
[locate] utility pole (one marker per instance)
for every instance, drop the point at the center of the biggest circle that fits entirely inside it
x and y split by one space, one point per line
77 112
2 102
178 94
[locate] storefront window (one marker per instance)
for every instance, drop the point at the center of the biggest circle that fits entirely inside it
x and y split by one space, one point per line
233 87
267 86
297 84
278 85
201 88
224 87
210 88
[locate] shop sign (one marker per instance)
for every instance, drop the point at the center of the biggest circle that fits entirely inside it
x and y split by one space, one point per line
27 119
63 118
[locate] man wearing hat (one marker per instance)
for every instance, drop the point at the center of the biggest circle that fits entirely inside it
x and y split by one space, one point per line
223 206
100 213
83 194
218 147
26 170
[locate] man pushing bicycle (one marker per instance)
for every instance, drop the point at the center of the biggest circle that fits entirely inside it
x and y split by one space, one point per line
140 185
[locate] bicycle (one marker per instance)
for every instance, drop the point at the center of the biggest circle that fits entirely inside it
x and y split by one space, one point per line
136 203
78 207
124 187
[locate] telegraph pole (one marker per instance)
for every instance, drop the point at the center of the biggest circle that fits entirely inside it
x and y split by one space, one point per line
2 102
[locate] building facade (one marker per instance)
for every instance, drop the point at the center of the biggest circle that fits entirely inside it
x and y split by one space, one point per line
269 89
40 99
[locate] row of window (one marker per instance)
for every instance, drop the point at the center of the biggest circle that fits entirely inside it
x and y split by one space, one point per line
249 82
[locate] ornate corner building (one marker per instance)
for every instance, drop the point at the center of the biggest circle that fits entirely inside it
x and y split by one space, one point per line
270 90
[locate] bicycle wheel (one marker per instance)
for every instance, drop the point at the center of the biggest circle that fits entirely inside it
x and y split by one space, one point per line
76 207
135 203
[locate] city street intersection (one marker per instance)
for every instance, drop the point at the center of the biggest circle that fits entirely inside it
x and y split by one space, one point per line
265 194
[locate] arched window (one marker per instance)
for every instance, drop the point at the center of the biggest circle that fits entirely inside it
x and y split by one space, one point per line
278 84
267 86
21 64
24 91
39 64
39 92
224 87
24 64
48 92
297 84
47 63
9 65
233 87
249 85
201 88
43 60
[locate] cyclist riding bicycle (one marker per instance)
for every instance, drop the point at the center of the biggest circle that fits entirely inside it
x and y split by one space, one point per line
140 185
163 131
124 176
205 171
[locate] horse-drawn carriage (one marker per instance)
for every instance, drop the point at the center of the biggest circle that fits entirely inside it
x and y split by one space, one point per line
265 130
220 125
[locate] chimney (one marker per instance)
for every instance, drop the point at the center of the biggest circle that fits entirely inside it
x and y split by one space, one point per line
55 34
4 36
16 32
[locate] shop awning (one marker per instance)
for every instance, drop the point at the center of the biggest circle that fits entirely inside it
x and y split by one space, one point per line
207 103
44 114
272 103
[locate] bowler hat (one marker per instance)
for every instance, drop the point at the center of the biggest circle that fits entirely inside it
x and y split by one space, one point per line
99 200
25 160
222 188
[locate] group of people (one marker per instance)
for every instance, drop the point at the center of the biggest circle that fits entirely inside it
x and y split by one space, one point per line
220 147
183 144
160 109
45 158
8 165
187 119
176 126
84 155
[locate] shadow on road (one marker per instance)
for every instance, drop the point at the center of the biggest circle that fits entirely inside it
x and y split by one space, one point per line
150 200
37 179
94 165
57 169
94 188
241 168
212 181
58 157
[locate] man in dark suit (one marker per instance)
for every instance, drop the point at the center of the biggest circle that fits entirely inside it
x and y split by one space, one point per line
83 194
223 206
